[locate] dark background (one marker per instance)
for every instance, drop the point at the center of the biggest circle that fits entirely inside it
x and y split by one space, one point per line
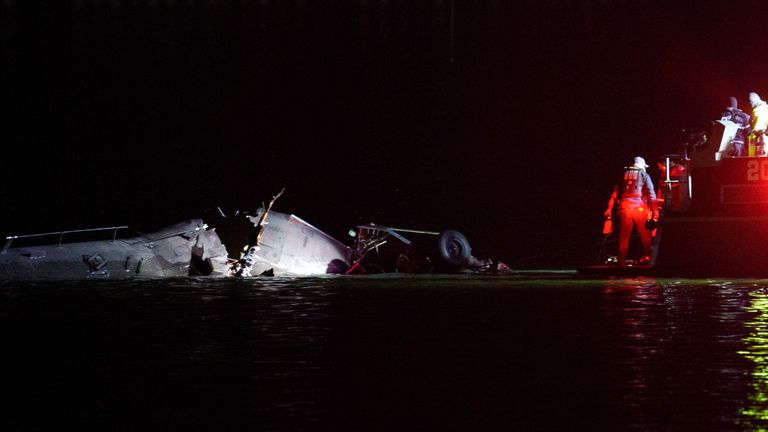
508 121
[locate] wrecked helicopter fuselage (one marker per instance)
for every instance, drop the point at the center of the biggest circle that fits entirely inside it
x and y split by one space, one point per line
288 245
265 243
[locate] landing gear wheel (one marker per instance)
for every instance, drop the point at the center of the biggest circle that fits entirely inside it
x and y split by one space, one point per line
453 248
336 266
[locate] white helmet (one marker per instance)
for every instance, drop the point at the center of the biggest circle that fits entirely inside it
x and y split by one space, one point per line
640 163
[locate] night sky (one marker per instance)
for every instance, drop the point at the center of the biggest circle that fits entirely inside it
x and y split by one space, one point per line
508 121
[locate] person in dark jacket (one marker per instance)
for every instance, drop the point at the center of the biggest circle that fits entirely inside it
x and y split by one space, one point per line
636 205
741 119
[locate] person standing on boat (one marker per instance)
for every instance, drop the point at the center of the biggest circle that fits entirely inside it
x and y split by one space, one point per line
741 119
637 201
759 125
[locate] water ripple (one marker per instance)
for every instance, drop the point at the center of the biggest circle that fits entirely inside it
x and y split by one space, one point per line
394 351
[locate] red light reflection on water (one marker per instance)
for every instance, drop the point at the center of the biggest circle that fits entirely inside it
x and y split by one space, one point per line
630 302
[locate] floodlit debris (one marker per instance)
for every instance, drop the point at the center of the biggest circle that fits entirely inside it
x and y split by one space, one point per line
242 245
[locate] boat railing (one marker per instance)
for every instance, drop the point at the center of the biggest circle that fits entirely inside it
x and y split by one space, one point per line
9 240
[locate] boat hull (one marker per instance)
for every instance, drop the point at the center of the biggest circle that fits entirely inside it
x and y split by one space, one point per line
714 246
612 270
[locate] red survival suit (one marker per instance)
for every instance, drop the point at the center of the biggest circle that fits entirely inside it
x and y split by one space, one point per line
636 199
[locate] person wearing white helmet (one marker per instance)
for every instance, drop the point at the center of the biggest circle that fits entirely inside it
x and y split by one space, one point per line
636 202
759 125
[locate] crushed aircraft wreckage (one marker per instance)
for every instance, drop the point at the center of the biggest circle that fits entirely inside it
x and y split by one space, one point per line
265 243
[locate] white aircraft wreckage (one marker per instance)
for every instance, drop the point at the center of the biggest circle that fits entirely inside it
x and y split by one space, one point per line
265 243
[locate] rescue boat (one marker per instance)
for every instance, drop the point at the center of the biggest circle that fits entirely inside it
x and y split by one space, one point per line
714 214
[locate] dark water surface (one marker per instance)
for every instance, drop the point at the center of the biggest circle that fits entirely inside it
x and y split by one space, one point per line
535 351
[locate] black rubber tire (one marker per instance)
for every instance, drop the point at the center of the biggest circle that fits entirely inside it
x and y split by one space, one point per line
453 248
336 266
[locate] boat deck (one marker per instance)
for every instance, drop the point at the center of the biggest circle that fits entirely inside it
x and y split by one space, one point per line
612 270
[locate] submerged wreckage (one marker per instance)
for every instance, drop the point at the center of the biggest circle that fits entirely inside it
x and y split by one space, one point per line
264 243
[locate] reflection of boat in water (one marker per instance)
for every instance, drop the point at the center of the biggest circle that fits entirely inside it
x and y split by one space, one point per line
714 214
265 243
